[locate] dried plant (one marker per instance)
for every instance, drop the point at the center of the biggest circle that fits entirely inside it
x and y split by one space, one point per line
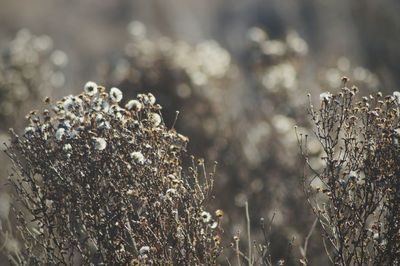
232 114
356 196
30 68
106 185
259 252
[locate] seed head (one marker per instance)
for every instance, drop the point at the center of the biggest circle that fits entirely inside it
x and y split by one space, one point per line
115 95
134 105
99 143
90 88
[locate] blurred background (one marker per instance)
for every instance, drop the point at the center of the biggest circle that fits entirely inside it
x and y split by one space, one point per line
238 72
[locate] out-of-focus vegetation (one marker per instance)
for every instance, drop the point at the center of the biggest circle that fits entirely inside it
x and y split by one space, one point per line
238 73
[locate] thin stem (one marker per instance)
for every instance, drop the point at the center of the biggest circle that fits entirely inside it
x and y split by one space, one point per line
248 231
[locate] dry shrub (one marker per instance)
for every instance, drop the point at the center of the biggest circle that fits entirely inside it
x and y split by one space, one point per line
105 184
30 67
356 195
234 111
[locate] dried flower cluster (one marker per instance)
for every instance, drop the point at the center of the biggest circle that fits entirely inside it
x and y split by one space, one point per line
29 69
259 252
357 199
104 184
239 108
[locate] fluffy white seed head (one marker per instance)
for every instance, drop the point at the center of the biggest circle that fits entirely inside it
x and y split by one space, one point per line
99 143
60 133
134 105
29 130
325 96
91 88
206 216
143 250
155 119
151 99
138 157
67 147
396 94
115 95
